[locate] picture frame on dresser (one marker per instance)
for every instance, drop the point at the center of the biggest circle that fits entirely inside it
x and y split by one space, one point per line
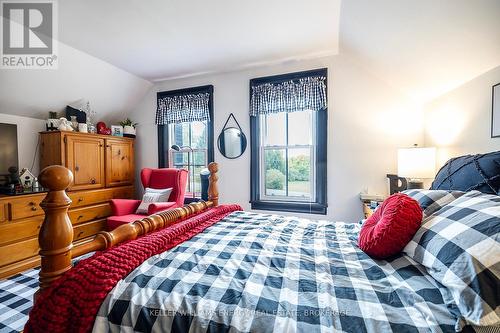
117 130
495 111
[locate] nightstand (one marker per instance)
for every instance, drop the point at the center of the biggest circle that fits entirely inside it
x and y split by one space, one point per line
370 203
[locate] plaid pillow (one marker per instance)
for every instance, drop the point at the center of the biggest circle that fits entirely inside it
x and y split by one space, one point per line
460 247
432 200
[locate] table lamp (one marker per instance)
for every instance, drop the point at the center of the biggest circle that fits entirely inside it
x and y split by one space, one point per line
416 164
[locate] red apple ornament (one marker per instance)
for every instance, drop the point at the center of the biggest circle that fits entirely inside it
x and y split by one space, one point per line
102 129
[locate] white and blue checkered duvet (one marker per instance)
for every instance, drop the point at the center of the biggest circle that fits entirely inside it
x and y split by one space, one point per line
267 273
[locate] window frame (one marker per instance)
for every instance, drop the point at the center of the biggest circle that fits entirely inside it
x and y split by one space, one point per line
163 130
320 204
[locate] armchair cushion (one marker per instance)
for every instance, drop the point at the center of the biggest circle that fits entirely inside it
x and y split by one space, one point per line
160 206
114 222
120 207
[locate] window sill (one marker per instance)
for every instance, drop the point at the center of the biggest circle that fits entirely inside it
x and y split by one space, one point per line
291 207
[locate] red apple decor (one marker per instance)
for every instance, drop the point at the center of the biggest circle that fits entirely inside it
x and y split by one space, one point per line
102 129
100 126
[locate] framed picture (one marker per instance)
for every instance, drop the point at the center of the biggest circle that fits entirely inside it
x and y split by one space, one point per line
116 130
495 112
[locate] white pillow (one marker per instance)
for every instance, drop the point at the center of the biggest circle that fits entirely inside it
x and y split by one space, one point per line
152 195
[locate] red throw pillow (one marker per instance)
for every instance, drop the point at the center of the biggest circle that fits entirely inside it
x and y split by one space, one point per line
391 227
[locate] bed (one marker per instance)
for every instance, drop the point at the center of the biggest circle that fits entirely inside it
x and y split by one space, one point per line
209 267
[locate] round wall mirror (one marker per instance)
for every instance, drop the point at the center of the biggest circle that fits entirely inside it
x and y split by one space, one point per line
232 142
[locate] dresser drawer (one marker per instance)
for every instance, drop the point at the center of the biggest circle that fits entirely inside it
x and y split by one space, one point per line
85 198
14 232
11 232
88 229
23 207
18 251
19 266
85 214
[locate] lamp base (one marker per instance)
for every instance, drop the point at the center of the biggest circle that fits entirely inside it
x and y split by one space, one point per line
396 184
415 184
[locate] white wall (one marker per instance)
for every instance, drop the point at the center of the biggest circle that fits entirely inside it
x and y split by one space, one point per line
459 122
368 121
27 138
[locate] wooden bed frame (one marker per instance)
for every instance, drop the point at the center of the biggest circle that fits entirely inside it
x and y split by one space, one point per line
56 233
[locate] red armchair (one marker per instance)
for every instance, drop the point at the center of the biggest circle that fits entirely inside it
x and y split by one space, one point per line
123 210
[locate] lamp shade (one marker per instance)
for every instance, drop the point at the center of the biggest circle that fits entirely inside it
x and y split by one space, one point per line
417 163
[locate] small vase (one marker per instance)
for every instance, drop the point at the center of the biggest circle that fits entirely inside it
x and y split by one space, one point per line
83 128
74 123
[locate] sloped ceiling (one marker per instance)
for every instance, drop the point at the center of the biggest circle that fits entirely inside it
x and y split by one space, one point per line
158 39
423 47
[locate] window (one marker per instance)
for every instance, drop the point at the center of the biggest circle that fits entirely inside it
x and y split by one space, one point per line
193 135
287 156
288 167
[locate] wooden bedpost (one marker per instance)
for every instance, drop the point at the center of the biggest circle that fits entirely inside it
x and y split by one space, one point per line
213 189
56 234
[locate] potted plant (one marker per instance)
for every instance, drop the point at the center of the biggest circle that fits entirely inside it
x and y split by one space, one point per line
128 128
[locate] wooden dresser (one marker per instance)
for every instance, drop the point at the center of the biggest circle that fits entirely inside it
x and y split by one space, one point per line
103 169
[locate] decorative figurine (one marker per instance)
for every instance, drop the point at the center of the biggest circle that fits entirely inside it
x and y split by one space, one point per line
27 179
64 125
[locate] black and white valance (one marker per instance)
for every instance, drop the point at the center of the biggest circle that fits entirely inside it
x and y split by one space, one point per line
183 108
307 93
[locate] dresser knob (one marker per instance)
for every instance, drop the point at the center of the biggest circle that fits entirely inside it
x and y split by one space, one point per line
77 168
80 199
33 208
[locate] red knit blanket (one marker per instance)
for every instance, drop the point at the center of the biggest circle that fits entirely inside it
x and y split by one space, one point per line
71 303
